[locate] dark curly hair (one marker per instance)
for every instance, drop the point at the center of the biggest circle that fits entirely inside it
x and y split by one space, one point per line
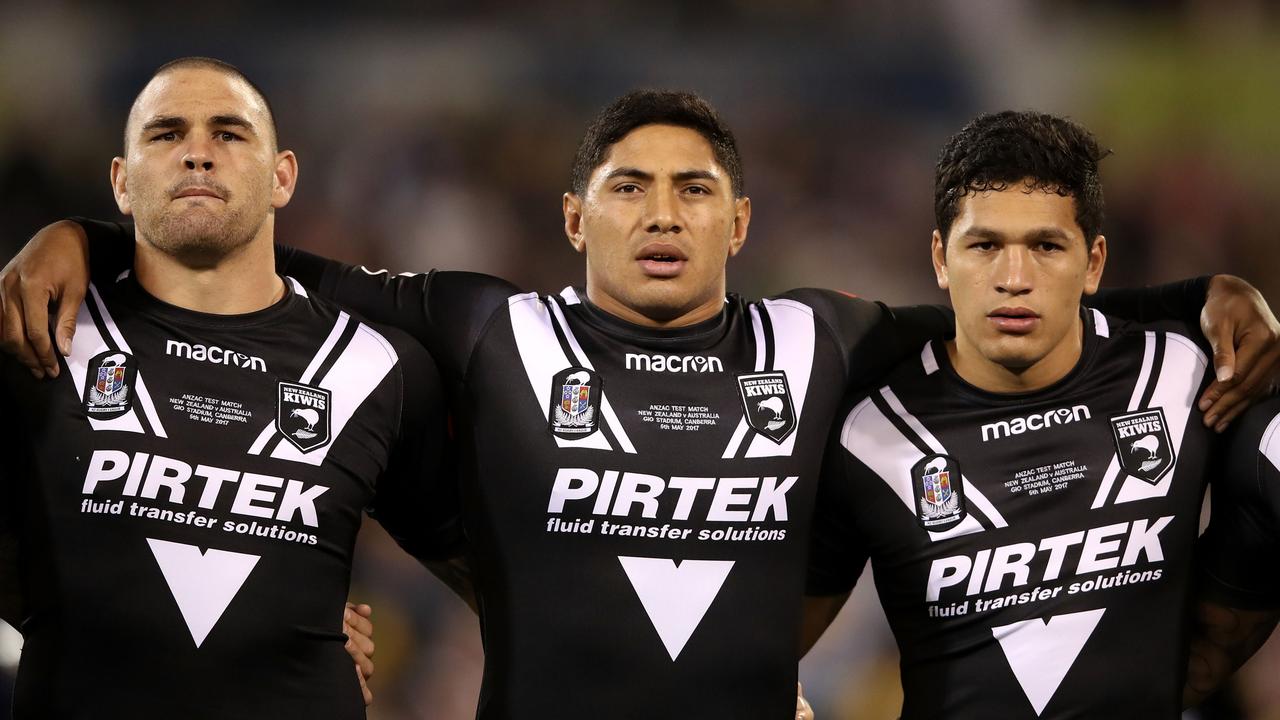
997 150
655 107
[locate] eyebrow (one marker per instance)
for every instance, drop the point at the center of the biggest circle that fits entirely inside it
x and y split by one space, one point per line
1044 233
166 122
682 176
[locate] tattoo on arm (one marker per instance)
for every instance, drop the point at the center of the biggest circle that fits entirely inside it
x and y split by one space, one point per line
1223 639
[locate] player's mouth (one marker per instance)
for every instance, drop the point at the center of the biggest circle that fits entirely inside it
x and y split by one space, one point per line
661 260
199 191
1014 320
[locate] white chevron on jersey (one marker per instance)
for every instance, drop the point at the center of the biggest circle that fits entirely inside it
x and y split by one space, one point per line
606 408
297 286
1100 325
1270 445
1113 469
542 357
676 597
874 440
88 343
740 432
1181 372
793 347
794 338
326 347
359 369
928 360
1041 653
972 494
203 584
143 396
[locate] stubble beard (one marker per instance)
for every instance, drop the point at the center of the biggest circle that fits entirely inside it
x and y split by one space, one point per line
201 237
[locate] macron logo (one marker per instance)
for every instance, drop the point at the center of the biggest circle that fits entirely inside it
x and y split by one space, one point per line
214 354
674 363
1033 422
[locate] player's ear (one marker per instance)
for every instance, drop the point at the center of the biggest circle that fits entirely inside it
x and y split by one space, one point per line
119 186
741 219
285 178
938 250
1097 260
573 221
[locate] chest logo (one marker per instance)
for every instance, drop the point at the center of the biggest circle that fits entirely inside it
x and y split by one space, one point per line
1142 444
939 492
766 400
302 415
575 403
108 390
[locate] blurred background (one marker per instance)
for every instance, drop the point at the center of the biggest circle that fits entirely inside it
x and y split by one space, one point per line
440 135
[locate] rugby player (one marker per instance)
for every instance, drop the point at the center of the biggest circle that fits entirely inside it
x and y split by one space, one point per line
639 456
1028 493
186 495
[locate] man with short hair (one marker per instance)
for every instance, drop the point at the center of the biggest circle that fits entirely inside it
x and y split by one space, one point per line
186 495
1028 493
640 457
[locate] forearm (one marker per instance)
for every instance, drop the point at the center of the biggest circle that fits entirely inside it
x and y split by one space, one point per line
817 615
1223 639
1182 301
456 574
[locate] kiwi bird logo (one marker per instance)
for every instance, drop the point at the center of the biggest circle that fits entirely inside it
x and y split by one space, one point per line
113 360
309 416
773 404
578 378
935 467
1147 448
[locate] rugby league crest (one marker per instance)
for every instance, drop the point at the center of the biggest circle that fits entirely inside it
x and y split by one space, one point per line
109 385
302 415
1143 445
575 403
766 400
939 492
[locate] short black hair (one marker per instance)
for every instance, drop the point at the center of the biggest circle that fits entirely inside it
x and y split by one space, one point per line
655 107
208 63
997 150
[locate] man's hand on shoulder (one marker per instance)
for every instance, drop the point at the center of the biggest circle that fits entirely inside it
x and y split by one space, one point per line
1245 338
52 268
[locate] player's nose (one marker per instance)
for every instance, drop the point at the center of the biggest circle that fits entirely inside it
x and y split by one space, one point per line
1013 270
199 156
662 214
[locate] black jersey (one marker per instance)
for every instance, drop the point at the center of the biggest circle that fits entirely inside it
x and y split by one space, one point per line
637 500
1245 507
190 489
1032 552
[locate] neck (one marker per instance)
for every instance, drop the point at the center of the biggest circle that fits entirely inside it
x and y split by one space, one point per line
242 281
979 371
644 318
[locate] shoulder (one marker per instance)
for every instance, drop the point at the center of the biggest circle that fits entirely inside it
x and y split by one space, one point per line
476 288
1112 327
829 305
1255 437
917 376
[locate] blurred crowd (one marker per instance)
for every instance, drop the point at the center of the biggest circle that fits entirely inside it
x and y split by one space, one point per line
441 136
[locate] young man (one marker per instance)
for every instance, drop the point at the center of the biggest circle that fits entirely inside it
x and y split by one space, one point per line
640 457
1029 492
186 494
